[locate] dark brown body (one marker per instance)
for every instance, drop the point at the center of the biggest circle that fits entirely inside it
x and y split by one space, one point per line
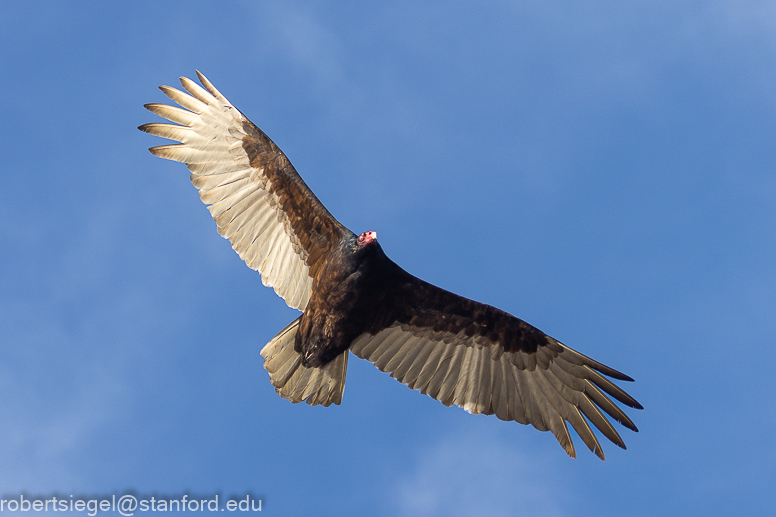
347 293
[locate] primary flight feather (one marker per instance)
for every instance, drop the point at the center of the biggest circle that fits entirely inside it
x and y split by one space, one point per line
353 298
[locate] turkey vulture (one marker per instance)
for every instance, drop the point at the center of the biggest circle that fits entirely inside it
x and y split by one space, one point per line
353 298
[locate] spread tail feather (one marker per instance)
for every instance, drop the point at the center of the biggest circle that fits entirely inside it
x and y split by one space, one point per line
296 382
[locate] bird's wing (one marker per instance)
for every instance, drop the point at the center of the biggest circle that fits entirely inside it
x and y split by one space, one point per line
259 202
487 361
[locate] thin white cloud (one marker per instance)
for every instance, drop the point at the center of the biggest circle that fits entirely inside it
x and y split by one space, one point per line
478 475
294 33
71 367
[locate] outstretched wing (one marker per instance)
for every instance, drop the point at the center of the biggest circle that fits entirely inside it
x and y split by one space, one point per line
259 202
487 361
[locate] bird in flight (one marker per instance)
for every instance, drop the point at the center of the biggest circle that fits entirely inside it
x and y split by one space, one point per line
354 299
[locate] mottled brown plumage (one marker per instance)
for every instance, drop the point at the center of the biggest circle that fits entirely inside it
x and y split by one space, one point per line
355 299
318 233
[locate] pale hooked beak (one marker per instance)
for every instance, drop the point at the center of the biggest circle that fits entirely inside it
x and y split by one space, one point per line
366 238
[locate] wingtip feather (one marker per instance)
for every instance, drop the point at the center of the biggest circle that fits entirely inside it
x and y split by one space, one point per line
209 86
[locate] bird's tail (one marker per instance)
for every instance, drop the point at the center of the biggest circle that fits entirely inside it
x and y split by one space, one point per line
296 382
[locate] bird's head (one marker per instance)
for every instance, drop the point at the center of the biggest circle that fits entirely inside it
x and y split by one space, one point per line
366 238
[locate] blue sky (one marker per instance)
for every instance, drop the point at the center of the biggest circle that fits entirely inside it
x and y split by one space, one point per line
605 171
